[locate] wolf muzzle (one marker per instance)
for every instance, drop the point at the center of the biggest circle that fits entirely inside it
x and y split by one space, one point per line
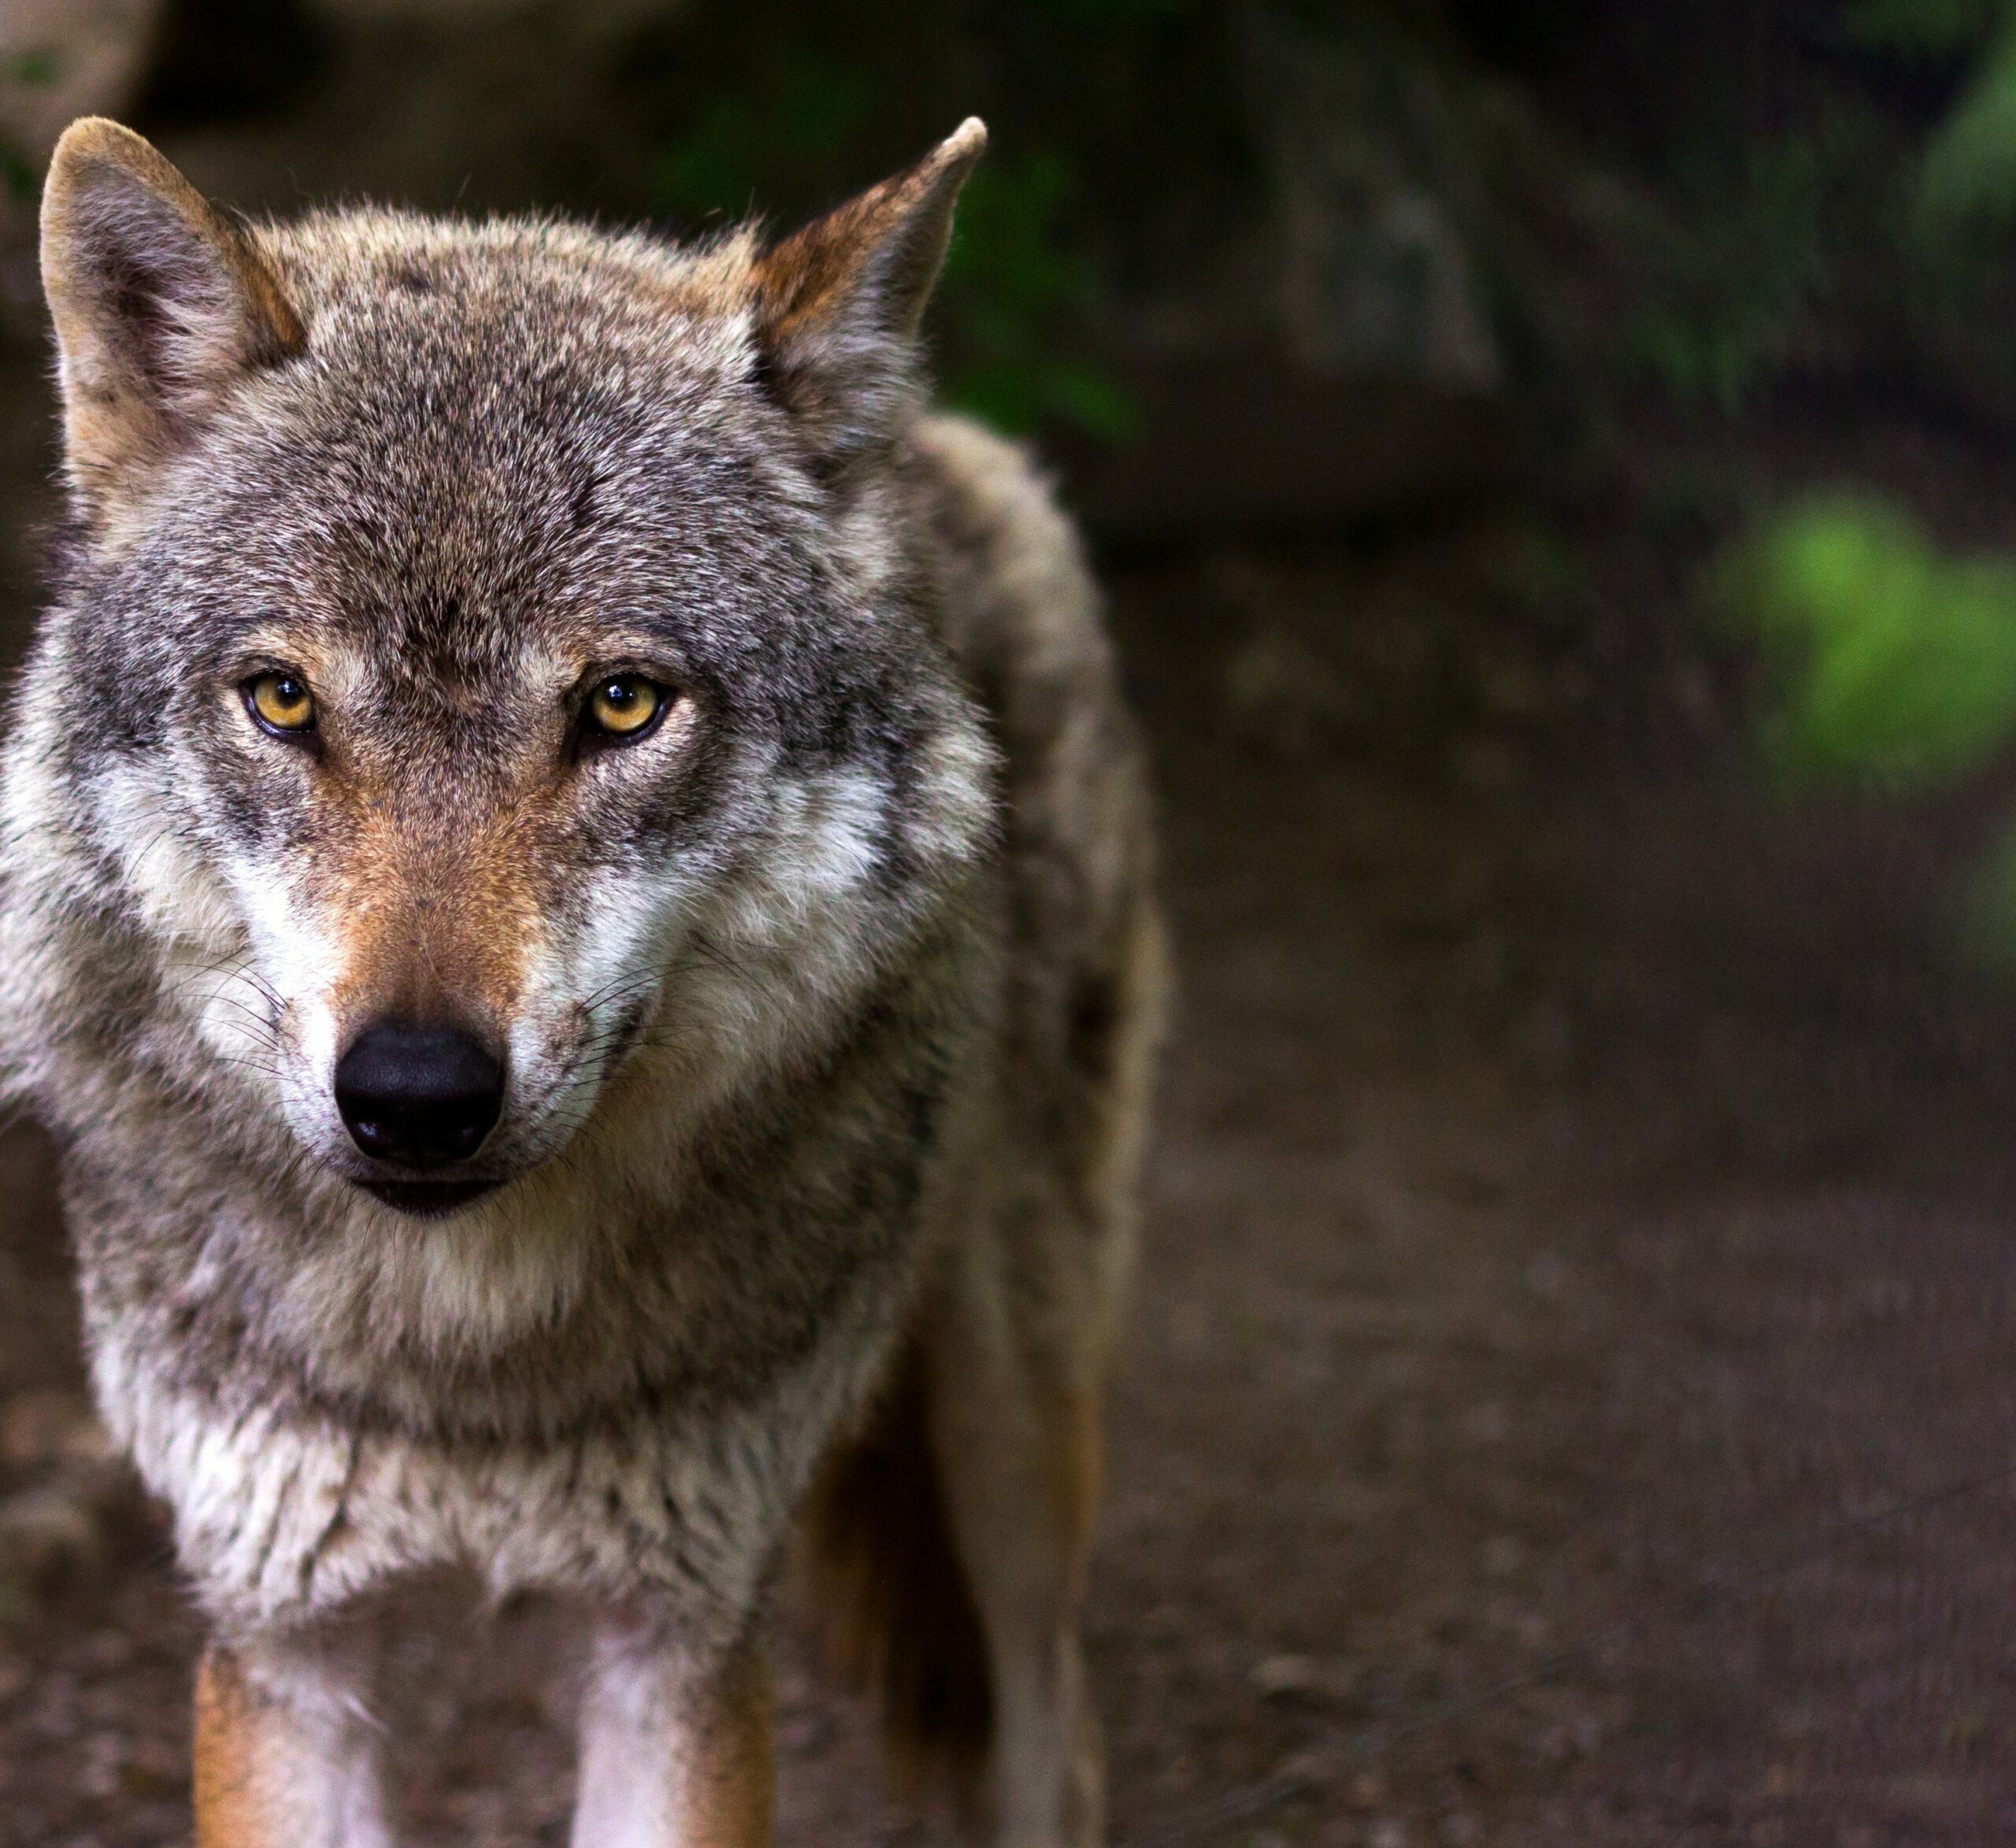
419 1096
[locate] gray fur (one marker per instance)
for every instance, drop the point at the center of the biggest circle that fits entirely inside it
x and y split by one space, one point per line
886 970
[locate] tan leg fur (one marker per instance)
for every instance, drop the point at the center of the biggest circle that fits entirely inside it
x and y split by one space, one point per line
668 1761
735 1773
232 1809
284 1757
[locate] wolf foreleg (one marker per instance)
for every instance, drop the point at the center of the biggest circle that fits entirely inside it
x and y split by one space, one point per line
1019 1447
285 1756
673 1757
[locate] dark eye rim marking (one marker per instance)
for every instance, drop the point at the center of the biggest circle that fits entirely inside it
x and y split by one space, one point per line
248 693
592 735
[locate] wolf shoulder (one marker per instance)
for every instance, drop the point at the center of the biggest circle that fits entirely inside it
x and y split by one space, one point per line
1018 586
1024 615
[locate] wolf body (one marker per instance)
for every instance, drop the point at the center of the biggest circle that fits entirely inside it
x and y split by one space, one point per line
810 1018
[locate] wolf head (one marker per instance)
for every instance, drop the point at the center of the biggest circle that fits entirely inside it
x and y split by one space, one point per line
493 652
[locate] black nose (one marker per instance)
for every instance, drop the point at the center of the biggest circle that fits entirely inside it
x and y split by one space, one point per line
421 1096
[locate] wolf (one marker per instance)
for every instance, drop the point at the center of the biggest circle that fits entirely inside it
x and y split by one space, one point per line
577 893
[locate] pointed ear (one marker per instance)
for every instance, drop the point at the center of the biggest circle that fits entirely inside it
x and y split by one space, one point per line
838 304
160 304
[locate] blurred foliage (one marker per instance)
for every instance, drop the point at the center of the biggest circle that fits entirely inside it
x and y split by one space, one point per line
1890 664
20 177
1739 284
1798 252
37 68
1009 285
1867 221
1891 667
805 111
1968 170
1877 233
1925 25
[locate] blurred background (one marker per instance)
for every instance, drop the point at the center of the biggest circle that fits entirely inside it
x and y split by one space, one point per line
1551 462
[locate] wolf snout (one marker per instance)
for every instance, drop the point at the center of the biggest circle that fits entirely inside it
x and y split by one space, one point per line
419 1095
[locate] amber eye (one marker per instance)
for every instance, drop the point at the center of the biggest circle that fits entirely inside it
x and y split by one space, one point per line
281 702
624 705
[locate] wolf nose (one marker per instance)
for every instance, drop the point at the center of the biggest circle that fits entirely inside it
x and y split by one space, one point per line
420 1096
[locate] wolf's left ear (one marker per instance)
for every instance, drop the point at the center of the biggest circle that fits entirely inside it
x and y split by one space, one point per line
838 304
160 304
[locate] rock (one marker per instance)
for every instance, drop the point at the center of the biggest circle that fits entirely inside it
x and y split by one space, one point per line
1369 337
1371 159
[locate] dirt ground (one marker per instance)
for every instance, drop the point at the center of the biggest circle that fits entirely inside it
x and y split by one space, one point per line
1570 1397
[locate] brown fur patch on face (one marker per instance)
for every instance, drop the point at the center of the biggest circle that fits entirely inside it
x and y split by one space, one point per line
435 916
233 1809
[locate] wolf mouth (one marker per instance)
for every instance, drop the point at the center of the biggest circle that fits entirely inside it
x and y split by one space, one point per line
428 1199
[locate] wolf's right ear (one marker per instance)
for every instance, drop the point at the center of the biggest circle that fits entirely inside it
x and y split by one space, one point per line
838 304
160 304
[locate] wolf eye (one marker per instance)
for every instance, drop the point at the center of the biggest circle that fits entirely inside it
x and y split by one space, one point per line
624 706
280 703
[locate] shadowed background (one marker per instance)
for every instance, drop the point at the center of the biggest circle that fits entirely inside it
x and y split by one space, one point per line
1551 461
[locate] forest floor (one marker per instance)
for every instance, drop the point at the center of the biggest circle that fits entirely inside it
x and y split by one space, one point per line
1571 1389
